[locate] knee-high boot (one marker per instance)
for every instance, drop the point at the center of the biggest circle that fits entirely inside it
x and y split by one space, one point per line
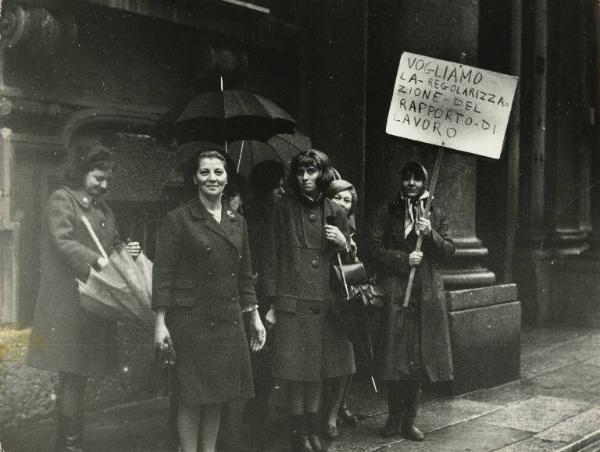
411 393
392 425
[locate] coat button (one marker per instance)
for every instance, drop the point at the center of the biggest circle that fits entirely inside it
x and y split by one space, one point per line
208 248
233 274
235 322
102 224
212 323
312 217
209 274
234 299
314 263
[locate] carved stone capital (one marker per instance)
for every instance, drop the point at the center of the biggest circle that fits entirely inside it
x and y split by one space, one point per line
38 30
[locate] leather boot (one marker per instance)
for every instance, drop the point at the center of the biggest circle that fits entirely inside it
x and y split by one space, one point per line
314 432
409 431
299 435
69 434
392 425
412 391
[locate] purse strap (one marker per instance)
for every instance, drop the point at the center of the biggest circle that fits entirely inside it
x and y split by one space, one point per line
92 233
339 258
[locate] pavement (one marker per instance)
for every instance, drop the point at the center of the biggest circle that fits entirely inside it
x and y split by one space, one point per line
555 406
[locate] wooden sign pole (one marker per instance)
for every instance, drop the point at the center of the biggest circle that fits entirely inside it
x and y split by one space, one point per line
434 177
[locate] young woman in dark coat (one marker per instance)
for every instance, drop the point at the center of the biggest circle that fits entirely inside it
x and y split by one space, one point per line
202 283
307 232
416 344
65 338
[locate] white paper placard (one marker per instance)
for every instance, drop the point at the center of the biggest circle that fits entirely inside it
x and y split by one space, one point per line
451 104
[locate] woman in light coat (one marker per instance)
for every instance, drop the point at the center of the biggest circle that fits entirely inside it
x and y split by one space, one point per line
65 338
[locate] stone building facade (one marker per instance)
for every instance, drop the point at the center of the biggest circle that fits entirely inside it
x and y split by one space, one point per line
107 70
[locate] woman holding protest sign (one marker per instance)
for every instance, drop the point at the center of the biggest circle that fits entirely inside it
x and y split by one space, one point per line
416 344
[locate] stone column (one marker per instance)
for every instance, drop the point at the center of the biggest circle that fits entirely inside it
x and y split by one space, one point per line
443 31
532 256
572 80
576 287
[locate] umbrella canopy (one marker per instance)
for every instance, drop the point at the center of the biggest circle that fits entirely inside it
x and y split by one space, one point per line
282 148
121 290
229 115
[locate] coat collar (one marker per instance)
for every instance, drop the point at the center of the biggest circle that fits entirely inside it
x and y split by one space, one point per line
230 220
83 198
398 206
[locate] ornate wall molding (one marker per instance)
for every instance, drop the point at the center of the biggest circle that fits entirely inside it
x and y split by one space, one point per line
38 30
105 119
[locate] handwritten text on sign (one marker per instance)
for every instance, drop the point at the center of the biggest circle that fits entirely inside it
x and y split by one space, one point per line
451 104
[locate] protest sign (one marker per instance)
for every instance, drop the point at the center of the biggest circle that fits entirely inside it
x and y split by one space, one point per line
451 104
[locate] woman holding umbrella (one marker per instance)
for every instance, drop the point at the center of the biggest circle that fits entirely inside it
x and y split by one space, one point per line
202 283
417 342
64 337
307 232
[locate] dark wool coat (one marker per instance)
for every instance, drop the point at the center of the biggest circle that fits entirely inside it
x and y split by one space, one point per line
306 344
64 337
388 252
259 217
202 276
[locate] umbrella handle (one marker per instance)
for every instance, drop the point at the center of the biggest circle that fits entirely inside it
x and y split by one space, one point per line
90 229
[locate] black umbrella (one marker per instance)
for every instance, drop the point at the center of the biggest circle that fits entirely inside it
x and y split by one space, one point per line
230 115
282 148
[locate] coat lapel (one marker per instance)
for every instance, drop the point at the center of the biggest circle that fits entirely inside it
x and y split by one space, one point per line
229 228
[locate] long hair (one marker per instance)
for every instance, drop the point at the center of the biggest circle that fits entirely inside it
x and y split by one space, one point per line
315 158
86 158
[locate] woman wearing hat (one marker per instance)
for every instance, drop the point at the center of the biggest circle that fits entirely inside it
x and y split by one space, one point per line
416 343
64 337
307 232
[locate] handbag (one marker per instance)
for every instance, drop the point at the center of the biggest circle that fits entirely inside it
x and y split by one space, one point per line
353 279
165 362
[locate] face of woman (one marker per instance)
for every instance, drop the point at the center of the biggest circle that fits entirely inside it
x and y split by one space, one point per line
412 188
276 193
307 178
344 200
95 182
211 177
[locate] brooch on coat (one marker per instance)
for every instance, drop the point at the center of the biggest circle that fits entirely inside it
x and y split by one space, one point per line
230 214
